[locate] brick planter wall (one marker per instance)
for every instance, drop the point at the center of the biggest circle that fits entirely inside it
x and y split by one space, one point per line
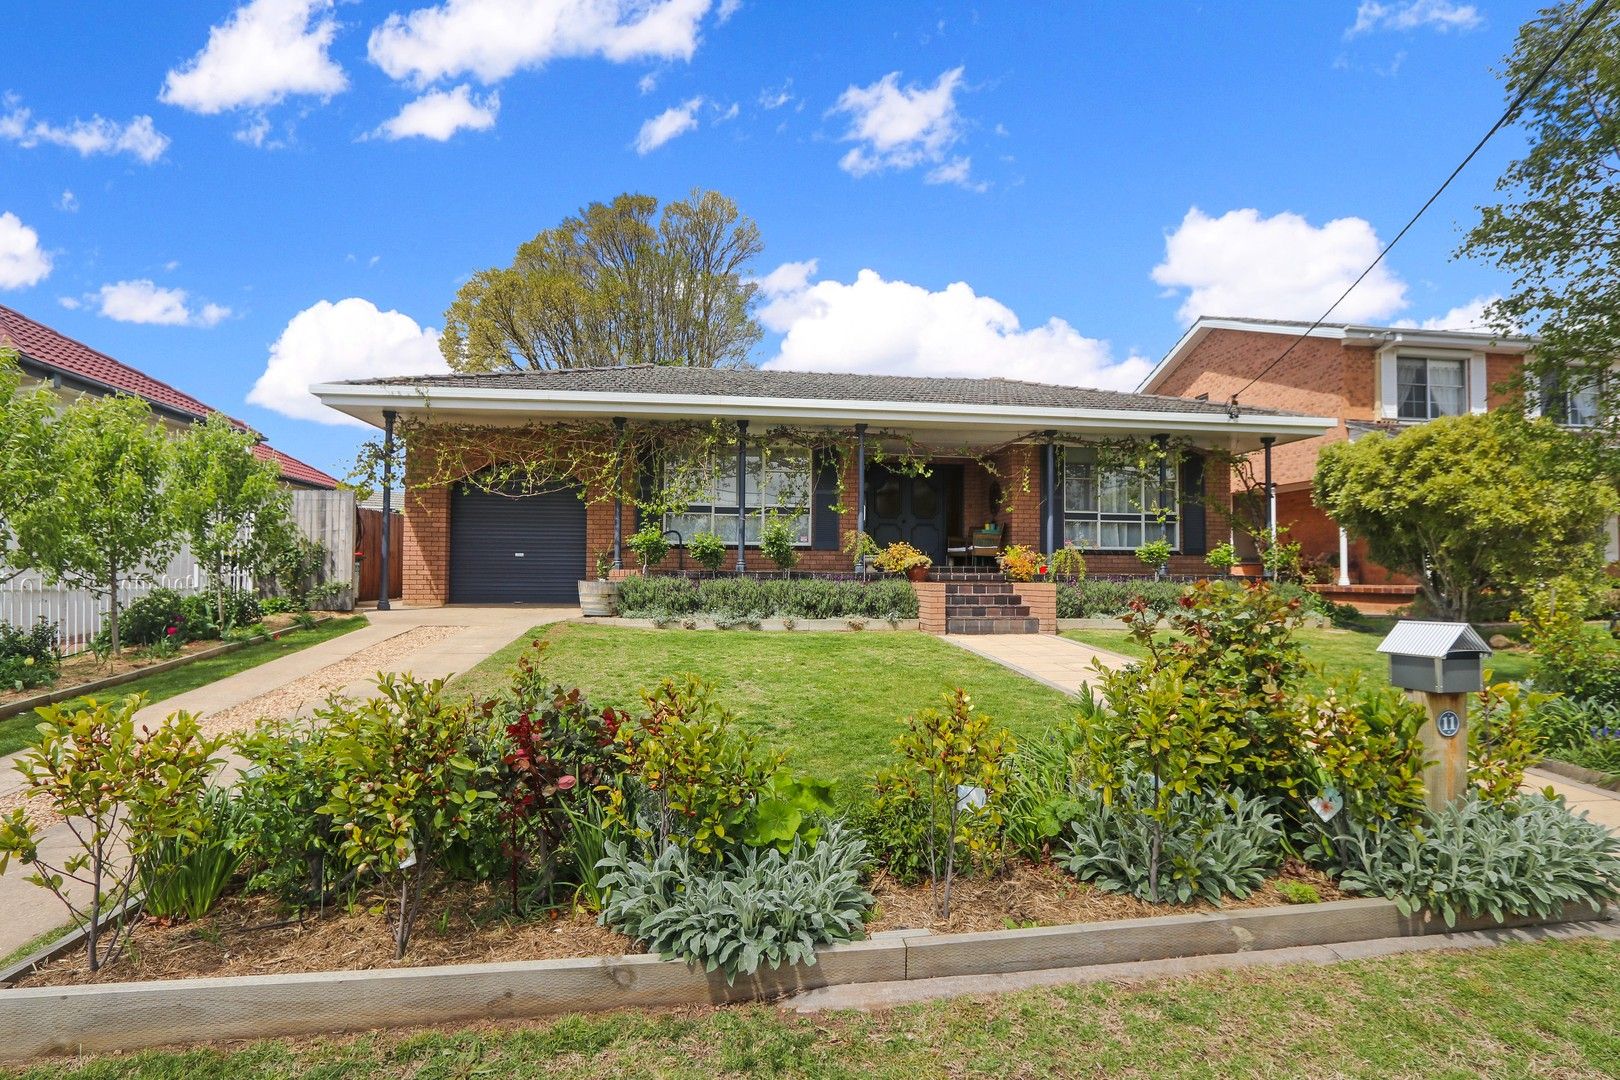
930 606
1041 596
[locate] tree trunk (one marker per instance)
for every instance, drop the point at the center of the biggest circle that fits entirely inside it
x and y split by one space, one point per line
95 909
219 592
112 606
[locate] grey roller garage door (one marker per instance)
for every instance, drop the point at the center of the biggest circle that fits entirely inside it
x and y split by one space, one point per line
505 550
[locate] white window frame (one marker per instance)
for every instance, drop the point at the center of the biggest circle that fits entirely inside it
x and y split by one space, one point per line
1083 526
1389 395
1561 416
717 512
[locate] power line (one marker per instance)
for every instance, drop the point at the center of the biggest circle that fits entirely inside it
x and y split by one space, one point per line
1502 121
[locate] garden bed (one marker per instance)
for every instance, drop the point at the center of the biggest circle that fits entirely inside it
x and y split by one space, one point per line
86 672
467 924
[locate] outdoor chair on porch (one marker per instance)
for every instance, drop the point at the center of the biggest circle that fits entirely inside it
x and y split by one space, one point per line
987 544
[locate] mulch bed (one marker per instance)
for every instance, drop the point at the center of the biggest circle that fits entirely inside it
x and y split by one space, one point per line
86 667
465 924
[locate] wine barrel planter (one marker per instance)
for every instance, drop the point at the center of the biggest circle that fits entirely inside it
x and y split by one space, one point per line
598 598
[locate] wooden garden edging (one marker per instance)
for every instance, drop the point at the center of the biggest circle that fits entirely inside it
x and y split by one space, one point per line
51 697
131 1016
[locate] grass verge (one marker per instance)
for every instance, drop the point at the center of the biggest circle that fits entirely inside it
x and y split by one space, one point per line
17 731
1341 654
28 948
833 701
1524 1010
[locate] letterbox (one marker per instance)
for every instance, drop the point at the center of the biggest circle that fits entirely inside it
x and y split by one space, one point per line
1436 657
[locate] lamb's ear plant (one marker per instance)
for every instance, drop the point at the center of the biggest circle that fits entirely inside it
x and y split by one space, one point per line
124 789
760 906
1475 857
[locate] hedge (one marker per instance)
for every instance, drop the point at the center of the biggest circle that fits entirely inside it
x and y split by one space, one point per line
669 596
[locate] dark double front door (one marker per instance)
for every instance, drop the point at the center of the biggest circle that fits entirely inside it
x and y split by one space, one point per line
909 508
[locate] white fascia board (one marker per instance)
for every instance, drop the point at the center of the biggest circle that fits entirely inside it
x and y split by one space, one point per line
1200 330
1453 340
368 402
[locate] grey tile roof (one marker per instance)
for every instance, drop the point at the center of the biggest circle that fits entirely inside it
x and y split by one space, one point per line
815 385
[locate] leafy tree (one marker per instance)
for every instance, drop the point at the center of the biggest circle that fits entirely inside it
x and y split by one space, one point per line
104 520
1557 230
617 284
25 456
231 507
1469 505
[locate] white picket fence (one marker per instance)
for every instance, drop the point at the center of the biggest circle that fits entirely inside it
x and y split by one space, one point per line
80 614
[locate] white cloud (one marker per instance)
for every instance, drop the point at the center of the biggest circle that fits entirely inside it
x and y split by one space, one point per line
439 114
97 135
1469 316
648 82
22 261
254 131
727 9
264 52
350 339
1442 15
673 122
491 39
897 328
144 301
68 203
730 113
897 127
1280 267
72 303
775 99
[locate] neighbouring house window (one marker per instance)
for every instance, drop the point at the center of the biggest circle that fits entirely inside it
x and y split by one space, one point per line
778 483
1427 387
1572 408
1117 509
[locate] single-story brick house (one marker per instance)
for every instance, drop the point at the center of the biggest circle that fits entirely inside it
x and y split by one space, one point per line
997 450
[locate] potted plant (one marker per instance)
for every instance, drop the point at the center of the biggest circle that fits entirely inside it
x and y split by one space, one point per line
861 548
901 558
1155 555
599 597
1069 564
1020 562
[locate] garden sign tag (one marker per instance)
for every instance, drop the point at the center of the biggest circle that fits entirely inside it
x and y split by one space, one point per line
1327 804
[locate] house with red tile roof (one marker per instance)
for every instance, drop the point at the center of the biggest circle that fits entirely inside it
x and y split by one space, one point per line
72 367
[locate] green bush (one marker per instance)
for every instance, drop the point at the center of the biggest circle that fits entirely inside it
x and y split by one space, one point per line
1221 844
149 619
895 823
1570 657
649 543
777 543
1527 857
29 658
277 605
761 906
185 875
1585 733
1298 892
1097 598
748 597
707 550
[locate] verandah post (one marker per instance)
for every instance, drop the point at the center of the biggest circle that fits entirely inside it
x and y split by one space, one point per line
742 494
1271 503
860 485
387 509
1049 539
618 498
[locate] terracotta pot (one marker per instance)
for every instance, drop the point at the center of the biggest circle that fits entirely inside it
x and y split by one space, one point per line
918 573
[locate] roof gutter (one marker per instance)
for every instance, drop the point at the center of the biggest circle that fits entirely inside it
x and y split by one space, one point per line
366 403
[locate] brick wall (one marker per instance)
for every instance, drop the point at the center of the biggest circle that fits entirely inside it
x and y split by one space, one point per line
1041 596
424 541
930 606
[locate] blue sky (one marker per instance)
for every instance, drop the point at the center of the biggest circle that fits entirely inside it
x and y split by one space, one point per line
238 197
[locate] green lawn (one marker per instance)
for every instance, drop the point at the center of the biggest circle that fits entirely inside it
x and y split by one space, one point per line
1524 1010
1340 653
834 701
17 732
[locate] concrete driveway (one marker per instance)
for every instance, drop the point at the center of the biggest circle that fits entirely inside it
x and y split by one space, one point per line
426 642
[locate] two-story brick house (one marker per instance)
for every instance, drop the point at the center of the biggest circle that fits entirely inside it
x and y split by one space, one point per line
1370 378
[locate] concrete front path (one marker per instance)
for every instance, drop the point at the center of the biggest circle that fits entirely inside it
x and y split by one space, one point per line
1056 661
1600 804
426 642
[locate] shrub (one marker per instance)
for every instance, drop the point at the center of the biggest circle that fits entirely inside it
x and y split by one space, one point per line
896 826
1155 554
1570 657
1102 599
947 751
757 907
153 617
1526 857
1221 845
649 543
860 547
185 875
1585 733
707 550
1502 741
670 597
1222 557
277 605
1298 892
1044 792
777 543
29 658
126 789
402 784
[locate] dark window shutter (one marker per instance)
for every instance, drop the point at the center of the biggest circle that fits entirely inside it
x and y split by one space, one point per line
1193 541
823 499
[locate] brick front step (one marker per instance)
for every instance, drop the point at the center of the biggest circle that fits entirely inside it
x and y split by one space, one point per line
981 611
992 626
980 588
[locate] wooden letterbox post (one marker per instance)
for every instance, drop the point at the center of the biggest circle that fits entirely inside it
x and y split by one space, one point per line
1439 664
